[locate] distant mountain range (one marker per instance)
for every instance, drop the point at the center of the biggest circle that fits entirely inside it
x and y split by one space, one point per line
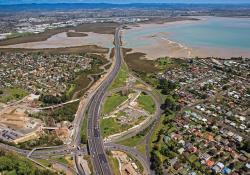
78 6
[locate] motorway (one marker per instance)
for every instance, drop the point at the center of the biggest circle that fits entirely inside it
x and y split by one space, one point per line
95 141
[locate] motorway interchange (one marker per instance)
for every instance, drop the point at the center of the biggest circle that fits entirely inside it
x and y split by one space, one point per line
96 147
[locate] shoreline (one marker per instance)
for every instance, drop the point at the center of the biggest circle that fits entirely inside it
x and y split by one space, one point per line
61 40
169 48
160 45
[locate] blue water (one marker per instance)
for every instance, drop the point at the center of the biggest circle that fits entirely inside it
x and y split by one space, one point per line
211 32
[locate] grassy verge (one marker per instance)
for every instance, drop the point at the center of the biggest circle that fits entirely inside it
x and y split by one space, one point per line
44 162
113 163
11 94
142 149
147 103
137 140
61 160
133 141
84 130
112 102
121 78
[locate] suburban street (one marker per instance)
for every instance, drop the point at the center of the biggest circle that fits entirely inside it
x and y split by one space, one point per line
96 147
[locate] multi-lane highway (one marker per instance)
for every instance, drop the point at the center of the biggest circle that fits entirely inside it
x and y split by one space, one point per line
95 142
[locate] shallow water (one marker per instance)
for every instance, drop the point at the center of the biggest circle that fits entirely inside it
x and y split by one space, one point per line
215 32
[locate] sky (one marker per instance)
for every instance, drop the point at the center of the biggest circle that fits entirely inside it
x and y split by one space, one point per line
123 1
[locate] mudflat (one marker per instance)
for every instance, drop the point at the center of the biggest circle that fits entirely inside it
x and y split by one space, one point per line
189 38
101 28
61 40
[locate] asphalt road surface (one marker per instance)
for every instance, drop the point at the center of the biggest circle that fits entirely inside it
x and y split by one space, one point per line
95 141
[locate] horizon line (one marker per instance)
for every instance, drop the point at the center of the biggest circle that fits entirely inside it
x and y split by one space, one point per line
186 3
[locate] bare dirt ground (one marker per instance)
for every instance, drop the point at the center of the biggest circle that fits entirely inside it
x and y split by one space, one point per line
14 118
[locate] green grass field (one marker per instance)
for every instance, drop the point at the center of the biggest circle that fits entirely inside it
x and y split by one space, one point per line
70 91
121 78
133 141
168 63
147 103
112 102
44 162
61 160
142 149
9 94
109 126
164 63
137 141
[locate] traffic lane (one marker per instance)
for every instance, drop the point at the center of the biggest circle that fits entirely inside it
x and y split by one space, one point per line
94 140
96 146
12 148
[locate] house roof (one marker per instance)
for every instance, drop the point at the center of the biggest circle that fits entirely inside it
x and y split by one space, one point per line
226 170
221 165
248 165
210 163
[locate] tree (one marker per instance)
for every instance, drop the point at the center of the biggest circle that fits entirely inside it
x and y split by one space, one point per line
170 104
156 163
11 163
166 86
246 146
165 151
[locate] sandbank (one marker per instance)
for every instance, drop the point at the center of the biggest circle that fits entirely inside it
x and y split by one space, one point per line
159 45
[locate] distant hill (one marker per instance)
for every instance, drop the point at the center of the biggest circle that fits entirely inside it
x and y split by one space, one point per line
78 6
